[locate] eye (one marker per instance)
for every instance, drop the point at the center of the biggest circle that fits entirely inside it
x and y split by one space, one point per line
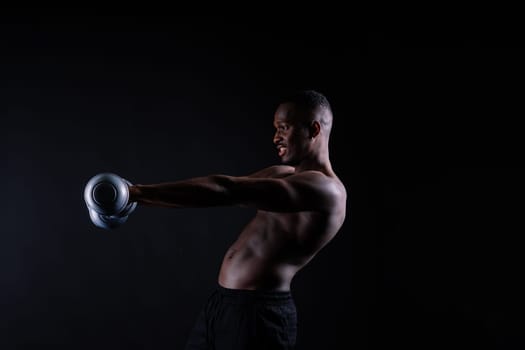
281 127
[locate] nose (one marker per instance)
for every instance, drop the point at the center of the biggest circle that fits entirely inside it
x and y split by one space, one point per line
277 137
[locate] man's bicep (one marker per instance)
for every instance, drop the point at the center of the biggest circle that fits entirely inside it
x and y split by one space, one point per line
280 195
263 193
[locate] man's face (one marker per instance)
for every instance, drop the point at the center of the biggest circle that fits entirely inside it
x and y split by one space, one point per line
291 135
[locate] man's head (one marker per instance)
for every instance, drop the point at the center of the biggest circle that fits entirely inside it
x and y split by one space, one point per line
303 122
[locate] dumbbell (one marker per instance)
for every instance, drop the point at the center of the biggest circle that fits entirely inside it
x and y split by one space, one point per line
107 199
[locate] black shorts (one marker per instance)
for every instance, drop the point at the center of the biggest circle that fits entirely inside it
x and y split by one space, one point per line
243 319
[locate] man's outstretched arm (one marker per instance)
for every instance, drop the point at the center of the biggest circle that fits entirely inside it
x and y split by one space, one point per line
207 191
294 193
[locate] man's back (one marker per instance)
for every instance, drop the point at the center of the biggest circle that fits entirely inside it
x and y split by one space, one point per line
276 244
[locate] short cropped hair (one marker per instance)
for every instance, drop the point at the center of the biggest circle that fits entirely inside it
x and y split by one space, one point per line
308 99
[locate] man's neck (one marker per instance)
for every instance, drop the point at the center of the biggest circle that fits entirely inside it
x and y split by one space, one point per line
320 163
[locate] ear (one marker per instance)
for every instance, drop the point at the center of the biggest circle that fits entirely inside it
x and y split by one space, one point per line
315 129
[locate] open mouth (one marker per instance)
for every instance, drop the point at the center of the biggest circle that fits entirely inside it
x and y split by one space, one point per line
282 150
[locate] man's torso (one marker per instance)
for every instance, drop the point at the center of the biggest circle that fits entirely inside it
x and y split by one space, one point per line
274 245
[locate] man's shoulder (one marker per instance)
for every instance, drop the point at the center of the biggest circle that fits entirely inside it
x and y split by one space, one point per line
318 176
328 185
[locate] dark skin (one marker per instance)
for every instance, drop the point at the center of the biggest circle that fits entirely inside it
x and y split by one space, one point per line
301 204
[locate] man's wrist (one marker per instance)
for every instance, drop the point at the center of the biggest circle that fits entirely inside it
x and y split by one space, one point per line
134 193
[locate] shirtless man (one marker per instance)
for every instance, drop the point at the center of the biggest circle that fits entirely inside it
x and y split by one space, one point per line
300 207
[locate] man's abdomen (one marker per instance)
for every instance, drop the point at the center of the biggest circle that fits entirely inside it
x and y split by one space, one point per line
243 268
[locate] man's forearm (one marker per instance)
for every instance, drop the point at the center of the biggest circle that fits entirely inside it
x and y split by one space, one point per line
198 192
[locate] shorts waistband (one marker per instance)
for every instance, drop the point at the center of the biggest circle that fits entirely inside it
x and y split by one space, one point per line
254 295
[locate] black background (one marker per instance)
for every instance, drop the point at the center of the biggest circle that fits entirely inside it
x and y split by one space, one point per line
426 137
